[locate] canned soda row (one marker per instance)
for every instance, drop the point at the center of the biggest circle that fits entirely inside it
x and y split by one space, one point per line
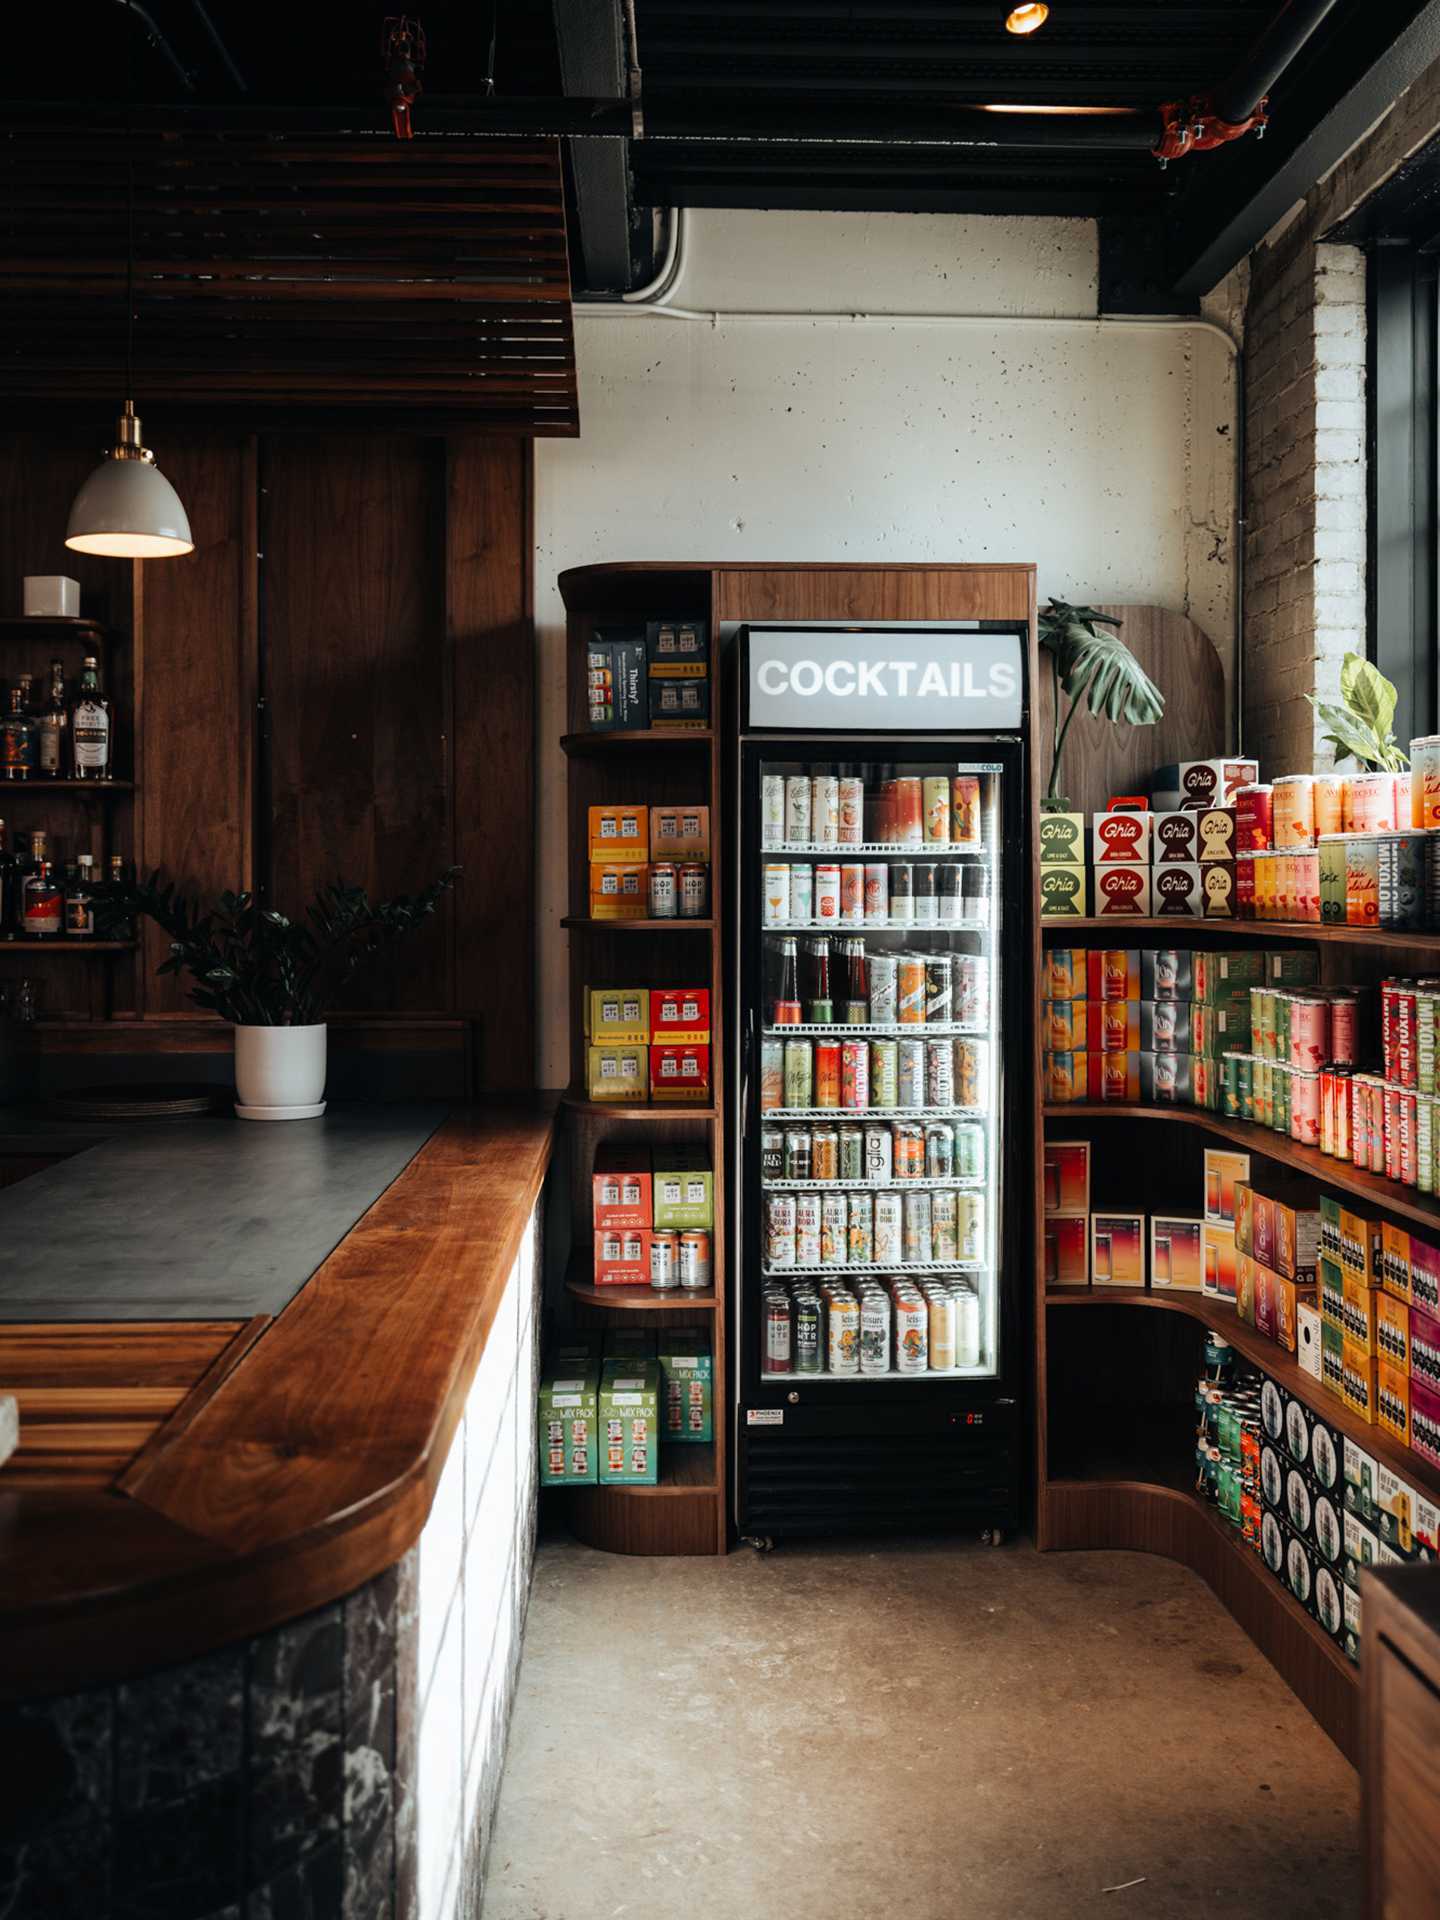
898 893
886 1325
1228 1441
1269 1093
1299 809
860 987
1314 1028
1410 1032
858 1076
877 1153
838 1228
829 809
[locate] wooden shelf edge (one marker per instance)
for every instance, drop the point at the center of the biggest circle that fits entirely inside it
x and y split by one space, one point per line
616 1110
62 945
583 744
1270 1145
82 787
1180 927
640 1299
582 923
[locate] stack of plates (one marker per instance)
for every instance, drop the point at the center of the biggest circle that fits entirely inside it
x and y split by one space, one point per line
149 1100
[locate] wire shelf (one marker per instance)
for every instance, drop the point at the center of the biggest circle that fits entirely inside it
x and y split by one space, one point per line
878 1029
914 851
872 1113
972 1182
876 926
835 1271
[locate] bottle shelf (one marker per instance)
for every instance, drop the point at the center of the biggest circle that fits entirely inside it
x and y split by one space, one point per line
957 1183
880 1030
1182 927
641 1299
651 739
873 926
834 1271
874 850
582 923
862 1114
39 785
980 1371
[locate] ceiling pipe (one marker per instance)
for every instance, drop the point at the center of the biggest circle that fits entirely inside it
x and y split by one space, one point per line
1244 88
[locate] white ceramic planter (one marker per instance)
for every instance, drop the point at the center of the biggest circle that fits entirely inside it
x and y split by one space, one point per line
280 1072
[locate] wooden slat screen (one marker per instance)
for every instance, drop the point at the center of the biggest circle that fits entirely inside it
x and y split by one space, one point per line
278 274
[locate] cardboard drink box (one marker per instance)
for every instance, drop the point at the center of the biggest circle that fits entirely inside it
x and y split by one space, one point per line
618 679
1164 1026
1111 1026
678 649
1308 1340
684 1190
1395 1260
1358 1381
1064 1025
680 833
619 835
567 1414
1221 1256
1167 1079
1119 835
1166 974
1220 977
1427 1527
1213 783
1392 1400
1064 973
680 1014
1224 1172
1290 969
629 1343
629 1416
1062 892
1358 1312
1425 1348
1177 892
619 1073
1332 1356
1424 1276
1352 1640
1112 973
1392 1332
1395 1516
1067 1250
1122 892
1067 1176
1065 1077
1244 1288
680 1072
621 1188
687 1387
617 1015
600 681
1216 834
1217 883
1117 1249
1176 1256
1061 839
1175 839
1361 1548
679 704
1425 1420
622 1257
619 891
1112 1076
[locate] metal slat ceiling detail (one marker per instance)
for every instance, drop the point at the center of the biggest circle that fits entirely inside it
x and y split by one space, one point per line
365 276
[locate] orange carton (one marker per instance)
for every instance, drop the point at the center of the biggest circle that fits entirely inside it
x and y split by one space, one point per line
1395 1260
1112 973
1067 1250
1222 1278
622 1256
621 1190
1067 1176
1246 1276
1392 1332
1111 1026
619 833
1224 1172
1392 1400
619 891
680 1071
1112 1076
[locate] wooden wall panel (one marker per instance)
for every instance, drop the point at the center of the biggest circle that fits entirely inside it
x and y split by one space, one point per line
492 644
356 684
195 757
40 474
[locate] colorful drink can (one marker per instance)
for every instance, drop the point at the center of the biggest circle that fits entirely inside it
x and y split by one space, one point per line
824 1154
909 811
799 1074
972 989
1253 815
664 1262
877 890
1362 879
910 983
1425 782
855 1075
852 1146
909 1150
780 1230
912 1334
965 812
797 810
1344 1027
861 1230
902 894
936 796
939 1150
879 1153
1370 803
807 1229
1309 1032
889 1228
1400 879
969 1073
939 989
911 1068
772 1153
825 810
834 1229
884 975
777 1351
942 1309
777 893
940 1073
884 1073
1329 803
772 1075
827 1073
944 1231
844 1334
969 1150
876 1323
799 1153
1305 1108
695 1268
772 810
1293 811
827 893
970 1226
852 894
918 1238
809 1333
852 811
665 893
802 893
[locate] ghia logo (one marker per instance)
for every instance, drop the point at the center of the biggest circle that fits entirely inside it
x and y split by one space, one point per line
1059 882
1200 779
1121 881
1173 883
1177 831
1119 828
886 679
1054 831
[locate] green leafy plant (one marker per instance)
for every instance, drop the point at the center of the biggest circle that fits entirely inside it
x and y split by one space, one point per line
1095 668
1363 727
257 967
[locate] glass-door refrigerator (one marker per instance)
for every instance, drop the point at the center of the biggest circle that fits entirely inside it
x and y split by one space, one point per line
883 1126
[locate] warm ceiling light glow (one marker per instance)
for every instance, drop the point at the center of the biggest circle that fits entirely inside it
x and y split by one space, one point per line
1012 106
1025 19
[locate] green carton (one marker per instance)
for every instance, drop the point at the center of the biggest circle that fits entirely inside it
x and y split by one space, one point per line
687 1385
568 1412
1294 967
629 1422
684 1189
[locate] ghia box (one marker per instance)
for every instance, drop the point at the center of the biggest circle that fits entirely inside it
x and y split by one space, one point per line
1216 834
1062 893
1176 1254
630 1422
1217 887
1067 1250
687 1386
1214 783
1119 836
617 1015
1117 1249
568 1409
1060 839
1122 892
1175 839
619 833
1067 1176
679 833
1177 891
621 1189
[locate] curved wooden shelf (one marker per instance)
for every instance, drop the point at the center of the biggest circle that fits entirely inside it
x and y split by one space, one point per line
1183 927
1139 1517
642 1110
640 1299
94 789
677 1515
1408 1201
582 923
652 739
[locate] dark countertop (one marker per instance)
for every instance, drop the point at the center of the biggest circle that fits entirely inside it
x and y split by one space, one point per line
211 1219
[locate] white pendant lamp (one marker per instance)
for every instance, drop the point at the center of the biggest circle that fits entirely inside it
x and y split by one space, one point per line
127 508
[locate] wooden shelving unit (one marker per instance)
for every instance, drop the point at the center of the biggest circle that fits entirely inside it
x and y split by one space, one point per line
686 1513
1183 931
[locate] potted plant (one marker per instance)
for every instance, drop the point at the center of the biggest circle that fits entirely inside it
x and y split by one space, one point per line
270 976
1362 726
1097 667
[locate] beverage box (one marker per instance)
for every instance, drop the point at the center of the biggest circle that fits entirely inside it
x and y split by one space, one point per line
1063 973
1218 890
600 682
1166 974
567 1412
1111 1026
1279 1233
679 705
1213 783
1067 1250
1167 1079
1112 973
1361 1470
1289 968
1174 839
1122 892
1216 834
1064 1025
1244 1288
1392 1400
1427 1527
1067 1176
1330 1279
1395 1260
680 833
1332 1356
1224 1172
1164 1026
1424 1276
1308 1339
1177 892
1061 839
617 1015
1361 1548
1176 1254
575 1350
619 892
1216 1031
1358 1312
622 1193
1117 1249
1425 1348
629 1343
630 1418
1329 1600
1224 977
617 1073
622 1257
1357 1381
1277 1306
677 649
1062 893
1395 1516
1353 1636
1111 1076
1300 1567
684 1189
687 1386
618 681
1425 1420
619 834
680 1014
1065 1077
1221 1256
680 1071
1357 1246
1392 1332
1119 835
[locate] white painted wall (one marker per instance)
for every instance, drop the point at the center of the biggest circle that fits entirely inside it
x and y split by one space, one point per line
1023 431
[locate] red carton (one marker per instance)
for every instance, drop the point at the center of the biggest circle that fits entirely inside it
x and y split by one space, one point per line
680 1014
1067 1250
1121 836
622 1257
1112 1026
1424 1421
680 1072
1122 892
622 1192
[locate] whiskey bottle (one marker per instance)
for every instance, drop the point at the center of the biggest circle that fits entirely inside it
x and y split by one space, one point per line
79 898
90 730
53 726
17 739
43 903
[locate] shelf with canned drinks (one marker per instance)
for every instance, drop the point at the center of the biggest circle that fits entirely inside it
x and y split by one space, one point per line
884 1113
894 1325
874 926
837 1270
921 1183
871 1029
877 850
1122 927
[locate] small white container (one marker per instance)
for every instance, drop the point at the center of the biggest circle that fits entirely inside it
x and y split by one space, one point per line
52 596
280 1072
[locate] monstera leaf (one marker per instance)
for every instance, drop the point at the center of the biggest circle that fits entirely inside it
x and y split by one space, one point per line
1095 668
1363 728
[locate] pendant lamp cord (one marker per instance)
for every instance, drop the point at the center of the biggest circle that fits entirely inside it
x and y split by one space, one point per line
130 210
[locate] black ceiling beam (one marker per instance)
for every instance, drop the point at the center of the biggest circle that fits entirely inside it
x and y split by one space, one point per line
1224 226
590 35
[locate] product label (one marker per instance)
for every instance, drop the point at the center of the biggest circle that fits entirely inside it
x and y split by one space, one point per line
764 1416
927 680
91 736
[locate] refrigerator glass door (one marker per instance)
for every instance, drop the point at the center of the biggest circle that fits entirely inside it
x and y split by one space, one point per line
877 1135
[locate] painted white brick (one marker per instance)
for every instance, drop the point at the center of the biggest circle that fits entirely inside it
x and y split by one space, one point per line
1340 482
1340 514
1339 383
1339 610
1337 445
1336 414
1339 576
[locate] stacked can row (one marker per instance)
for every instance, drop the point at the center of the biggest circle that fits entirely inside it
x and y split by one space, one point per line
838 810
882 989
890 1324
920 893
943 1226
860 1076
876 1153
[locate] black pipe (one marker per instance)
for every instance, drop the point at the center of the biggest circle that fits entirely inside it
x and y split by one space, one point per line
161 45
1252 77
237 78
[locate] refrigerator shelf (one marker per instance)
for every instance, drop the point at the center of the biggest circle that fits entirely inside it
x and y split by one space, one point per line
876 850
876 926
980 1371
834 1271
872 1113
878 1029
955 1182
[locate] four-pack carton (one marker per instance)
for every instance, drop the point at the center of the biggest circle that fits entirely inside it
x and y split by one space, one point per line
687 1385
629 1418
568 1411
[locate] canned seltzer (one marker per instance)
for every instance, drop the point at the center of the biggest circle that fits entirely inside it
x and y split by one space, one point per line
885 1073
879 1153
944 1222
911 1072
852 1153
889 1228
861 1230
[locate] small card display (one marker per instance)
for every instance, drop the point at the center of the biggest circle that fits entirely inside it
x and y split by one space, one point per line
1176 1254
1067 1176
1117 1249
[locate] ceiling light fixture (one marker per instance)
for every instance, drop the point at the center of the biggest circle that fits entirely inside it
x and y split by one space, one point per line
1026 18
1015 106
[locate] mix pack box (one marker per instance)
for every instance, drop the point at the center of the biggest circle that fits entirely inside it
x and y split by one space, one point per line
1224 1172
1117 1249
617 1015
619 1073
567 1417
619 834
680 1071
680 1014
629 1417
684 1190
680 833
1226 976
687 1386
618 683
1222 1262
1176 1253
1067 1176
622 1193
1067 1250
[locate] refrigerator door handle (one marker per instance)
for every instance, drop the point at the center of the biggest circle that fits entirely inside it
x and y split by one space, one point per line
745 1056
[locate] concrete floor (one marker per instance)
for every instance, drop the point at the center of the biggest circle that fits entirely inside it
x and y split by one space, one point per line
930 1731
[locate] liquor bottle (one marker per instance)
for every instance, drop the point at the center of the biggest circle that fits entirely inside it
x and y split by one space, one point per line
819 1007
52 726
857 984
43 903
787 1001
90 730
17 739
80 898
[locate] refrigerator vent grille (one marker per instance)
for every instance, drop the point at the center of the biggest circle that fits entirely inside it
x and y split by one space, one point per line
921 1481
